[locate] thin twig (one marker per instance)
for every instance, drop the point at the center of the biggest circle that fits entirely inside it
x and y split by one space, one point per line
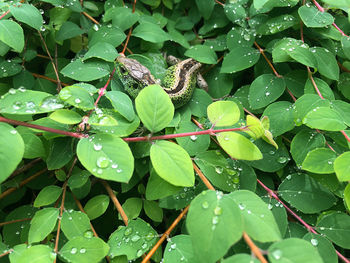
14 221
49 79
25 167
267 60
256 251
202 177
116 202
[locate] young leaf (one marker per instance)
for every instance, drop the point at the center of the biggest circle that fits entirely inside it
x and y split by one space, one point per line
96 206
75 224
179 249
324 118
106 156
42 224
319 160
172 163
154 108
222 218
341 167
47 195
223 113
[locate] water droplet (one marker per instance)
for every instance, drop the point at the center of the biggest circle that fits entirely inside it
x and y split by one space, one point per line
272 152
241 206
144 246
282 159
12 91
139 253
173 246
314 242
277 254
135 238
73 250
289 176
218 210
205 204
22 89
219 169
149 236
82 250
77 100
193 138
97 146
215 220
13 132
115 166
270 206
102 162
88 234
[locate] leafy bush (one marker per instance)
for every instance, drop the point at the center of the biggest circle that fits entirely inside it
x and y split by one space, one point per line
89 175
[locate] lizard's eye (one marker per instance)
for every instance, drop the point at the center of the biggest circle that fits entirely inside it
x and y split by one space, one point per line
122 70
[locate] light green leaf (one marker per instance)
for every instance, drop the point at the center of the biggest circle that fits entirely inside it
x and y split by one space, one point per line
312 17
132 208
85 71
122 103
84 250
153 211
132 240
324 118
150 32
239 59
306 194
172 163
222 218
10 156
238 146
202 53
66 116
342 167
293 250
37 254
75 224
102 50
223 113
12 35
47 195
42 224
179 249
96 206
319 160
154 108
258 220
106 156
77 97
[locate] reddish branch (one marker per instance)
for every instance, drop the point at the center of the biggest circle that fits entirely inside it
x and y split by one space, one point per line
14 221
256 251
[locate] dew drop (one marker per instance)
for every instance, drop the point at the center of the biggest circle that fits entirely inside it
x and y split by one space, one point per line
77 100
277 254
314 242
282 159
149 236
241 206
97 146
218 210
82 250
205 204
173 245
139 253
215 220
135 238
219 169
88 234
102 162
13 132
115 166
73 250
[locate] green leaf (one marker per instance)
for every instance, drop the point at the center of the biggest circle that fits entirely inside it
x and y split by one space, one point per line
85 71
324 118
122 103
342 168
158 188
75 224
303 142
12 35
324 246
265 89
202 53
109 34
319 160
102 50
199 103
306 194
10 156
33 145
132 240
307 103
336 227
150 32
277 24
312 17
222 218
27 14
281 117
345 43
77 97
240 258
179 249
106 156
223 113
132 208
9 68
302 54
154 108
42 224
326 63
47 195
25 102
68 30
81 249
37 253
238 146
121 17
96 206
293 250
239 59
347 196
153 211
66 116
172 163
322 86
258 220
220 84
205 7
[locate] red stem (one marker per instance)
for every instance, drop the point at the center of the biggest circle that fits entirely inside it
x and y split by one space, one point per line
43 128
4 14
101 92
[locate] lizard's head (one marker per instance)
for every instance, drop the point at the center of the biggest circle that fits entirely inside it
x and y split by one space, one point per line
133 75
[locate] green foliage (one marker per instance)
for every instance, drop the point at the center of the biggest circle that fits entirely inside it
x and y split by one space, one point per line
90 174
